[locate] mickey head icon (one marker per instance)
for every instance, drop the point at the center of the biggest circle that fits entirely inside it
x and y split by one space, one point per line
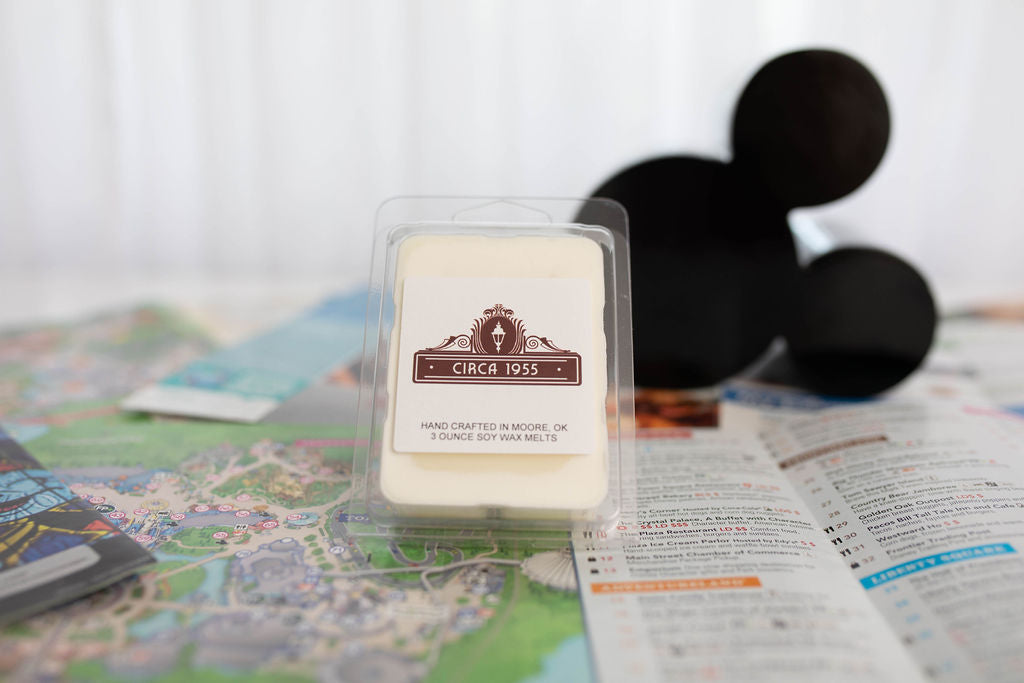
715 274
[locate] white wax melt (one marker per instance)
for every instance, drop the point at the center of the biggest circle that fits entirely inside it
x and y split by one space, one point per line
471 463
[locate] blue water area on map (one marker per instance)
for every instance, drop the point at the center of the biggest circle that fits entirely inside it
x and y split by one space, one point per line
213 585
23 433
122 479
569 663
161 556
147 628
306 519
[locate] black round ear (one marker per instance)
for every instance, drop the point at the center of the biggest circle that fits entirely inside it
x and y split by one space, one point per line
811 125
863 320
713 267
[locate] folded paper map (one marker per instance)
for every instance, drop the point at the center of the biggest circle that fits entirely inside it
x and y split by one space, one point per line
244 383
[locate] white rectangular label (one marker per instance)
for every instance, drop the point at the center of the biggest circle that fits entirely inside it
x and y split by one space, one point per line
497 365
44 570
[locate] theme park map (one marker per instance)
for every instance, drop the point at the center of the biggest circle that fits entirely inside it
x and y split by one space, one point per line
261 571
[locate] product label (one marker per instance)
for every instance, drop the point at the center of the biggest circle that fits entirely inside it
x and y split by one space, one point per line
497 365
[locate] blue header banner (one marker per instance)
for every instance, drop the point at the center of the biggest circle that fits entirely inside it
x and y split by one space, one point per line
914 566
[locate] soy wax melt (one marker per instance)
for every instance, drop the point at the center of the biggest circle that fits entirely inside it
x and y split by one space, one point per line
495 391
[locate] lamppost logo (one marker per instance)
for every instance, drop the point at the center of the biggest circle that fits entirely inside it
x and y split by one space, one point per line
497 350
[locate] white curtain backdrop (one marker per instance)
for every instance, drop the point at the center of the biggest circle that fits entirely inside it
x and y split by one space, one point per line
257 138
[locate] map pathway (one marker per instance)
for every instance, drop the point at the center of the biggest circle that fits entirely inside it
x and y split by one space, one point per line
257 572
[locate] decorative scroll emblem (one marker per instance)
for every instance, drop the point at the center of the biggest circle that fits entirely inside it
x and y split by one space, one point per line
497 350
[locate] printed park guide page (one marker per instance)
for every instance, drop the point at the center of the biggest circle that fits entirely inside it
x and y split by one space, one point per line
810 540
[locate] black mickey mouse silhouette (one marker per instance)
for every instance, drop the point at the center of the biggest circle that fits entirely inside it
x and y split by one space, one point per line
714 268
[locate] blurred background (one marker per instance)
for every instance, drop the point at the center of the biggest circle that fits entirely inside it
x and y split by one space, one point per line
149 149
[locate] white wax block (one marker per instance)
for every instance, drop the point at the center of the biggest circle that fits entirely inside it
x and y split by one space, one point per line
527 483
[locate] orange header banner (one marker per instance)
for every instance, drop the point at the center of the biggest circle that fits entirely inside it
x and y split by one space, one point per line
676 585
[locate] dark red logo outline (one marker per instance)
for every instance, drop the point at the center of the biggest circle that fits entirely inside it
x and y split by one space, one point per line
497 350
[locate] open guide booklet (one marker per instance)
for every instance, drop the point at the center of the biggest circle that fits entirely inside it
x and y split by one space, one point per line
808 539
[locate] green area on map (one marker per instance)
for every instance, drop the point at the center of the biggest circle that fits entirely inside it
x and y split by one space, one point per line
258 576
